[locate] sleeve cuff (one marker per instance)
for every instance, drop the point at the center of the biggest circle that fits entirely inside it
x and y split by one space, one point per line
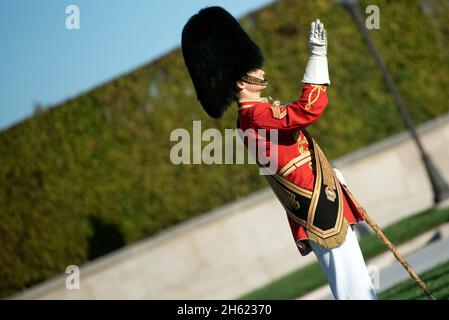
317 71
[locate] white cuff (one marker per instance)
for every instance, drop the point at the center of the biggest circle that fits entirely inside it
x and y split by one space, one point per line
317 71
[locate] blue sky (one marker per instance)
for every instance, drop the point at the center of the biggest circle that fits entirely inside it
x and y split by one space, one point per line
43 62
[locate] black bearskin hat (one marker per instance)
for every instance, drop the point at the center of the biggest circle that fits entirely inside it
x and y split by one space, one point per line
217 53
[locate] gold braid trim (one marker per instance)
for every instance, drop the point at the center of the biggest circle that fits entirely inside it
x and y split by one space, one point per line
311 101
291 186
277 113
328 174
285 196
333 241
250 79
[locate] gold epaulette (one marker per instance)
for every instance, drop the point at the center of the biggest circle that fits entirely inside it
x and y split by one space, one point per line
295 163
276 108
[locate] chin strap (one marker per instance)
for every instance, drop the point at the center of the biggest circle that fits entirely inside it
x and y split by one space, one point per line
250 79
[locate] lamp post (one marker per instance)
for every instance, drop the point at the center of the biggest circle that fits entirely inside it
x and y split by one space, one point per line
439 186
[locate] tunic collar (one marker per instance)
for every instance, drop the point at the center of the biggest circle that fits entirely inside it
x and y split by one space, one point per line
248 103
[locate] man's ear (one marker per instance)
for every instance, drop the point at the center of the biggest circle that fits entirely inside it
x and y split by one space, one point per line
240 84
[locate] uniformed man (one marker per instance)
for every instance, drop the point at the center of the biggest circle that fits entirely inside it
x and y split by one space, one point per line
226 65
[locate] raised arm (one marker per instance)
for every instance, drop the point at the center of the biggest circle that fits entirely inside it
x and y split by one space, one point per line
299 114
313 100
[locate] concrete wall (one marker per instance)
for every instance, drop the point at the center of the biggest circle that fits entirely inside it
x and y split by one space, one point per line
239 247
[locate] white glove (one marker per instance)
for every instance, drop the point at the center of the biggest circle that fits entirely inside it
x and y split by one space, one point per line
317 70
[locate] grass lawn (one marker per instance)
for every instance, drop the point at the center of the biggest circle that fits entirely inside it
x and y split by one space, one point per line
308 278
436 279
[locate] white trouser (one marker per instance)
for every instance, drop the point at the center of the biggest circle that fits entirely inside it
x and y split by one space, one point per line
346 270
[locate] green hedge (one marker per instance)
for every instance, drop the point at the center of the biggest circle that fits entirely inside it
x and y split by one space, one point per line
93 174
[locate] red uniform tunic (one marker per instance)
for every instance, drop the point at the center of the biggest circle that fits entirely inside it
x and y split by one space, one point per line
289 120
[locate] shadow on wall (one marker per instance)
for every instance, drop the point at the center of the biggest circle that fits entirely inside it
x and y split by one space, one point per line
106 237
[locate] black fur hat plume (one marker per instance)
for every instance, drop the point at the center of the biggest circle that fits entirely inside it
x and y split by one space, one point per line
217 52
